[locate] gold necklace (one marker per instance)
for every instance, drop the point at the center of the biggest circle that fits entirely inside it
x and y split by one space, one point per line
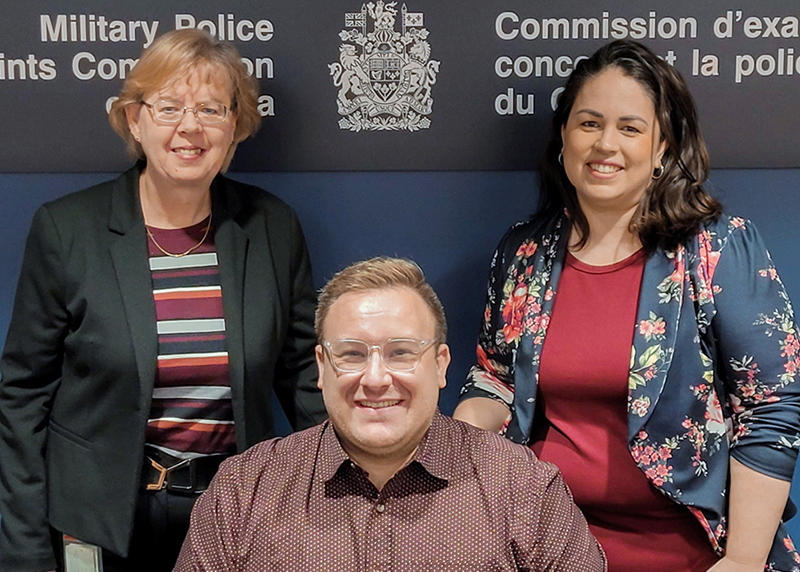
185 252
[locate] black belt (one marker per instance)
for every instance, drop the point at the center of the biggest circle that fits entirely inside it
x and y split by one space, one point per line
188 476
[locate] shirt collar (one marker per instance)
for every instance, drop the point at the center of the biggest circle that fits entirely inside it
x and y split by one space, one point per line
331 454
434 453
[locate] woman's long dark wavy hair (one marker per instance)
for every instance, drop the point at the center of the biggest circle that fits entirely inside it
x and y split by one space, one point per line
675 205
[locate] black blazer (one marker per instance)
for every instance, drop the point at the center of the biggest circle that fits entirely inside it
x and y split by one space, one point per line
80 356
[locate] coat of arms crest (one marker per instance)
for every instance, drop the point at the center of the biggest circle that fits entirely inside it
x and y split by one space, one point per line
384 76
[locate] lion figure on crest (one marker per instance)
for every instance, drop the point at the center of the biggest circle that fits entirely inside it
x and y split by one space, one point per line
348 73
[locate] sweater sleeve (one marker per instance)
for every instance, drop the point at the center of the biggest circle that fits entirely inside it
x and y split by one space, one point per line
759 354
493 374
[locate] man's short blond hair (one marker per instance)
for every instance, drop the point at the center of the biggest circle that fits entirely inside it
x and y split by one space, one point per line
377 274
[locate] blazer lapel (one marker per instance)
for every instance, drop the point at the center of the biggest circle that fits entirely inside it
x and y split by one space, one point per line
232 243
129 256
655 334
547 265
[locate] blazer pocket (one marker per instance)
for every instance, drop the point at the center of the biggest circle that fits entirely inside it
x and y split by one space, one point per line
73 438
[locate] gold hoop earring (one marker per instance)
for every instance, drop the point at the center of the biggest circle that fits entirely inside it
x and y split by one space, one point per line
660 171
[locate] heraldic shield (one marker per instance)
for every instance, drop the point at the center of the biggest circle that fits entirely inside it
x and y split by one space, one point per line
384 76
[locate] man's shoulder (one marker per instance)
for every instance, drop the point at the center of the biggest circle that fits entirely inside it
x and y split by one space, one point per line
489 451
279 456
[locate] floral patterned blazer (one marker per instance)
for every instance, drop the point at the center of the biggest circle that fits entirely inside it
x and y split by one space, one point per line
714 364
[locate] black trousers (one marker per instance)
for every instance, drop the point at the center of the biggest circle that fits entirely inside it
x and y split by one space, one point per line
160 525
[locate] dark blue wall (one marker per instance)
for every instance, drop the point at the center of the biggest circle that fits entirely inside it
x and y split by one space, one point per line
449 222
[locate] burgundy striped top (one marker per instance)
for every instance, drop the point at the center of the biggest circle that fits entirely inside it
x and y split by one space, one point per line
191 412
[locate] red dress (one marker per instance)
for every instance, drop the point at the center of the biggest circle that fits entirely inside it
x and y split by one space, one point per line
581 423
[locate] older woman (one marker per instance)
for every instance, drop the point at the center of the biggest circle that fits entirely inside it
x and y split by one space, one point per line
154 316
641 340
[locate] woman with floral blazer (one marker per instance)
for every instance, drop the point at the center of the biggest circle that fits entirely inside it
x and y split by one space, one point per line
715 333
715 358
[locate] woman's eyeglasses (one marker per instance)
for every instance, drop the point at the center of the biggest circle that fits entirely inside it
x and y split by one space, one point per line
167 111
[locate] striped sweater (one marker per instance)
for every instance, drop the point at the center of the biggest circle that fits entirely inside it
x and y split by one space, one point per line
191 413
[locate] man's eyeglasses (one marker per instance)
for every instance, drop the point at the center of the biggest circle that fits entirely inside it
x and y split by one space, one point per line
168 111
351 356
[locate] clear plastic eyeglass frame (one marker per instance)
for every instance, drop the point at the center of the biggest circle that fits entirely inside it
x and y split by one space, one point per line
397 354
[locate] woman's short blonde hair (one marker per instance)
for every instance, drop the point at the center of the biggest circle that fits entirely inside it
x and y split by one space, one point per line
174 57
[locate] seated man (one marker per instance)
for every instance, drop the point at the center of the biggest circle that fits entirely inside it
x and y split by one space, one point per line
388 483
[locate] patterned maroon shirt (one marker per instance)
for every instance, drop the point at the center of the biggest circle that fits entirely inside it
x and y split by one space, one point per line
469 500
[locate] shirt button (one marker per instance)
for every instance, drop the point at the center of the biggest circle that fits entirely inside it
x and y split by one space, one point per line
381 507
